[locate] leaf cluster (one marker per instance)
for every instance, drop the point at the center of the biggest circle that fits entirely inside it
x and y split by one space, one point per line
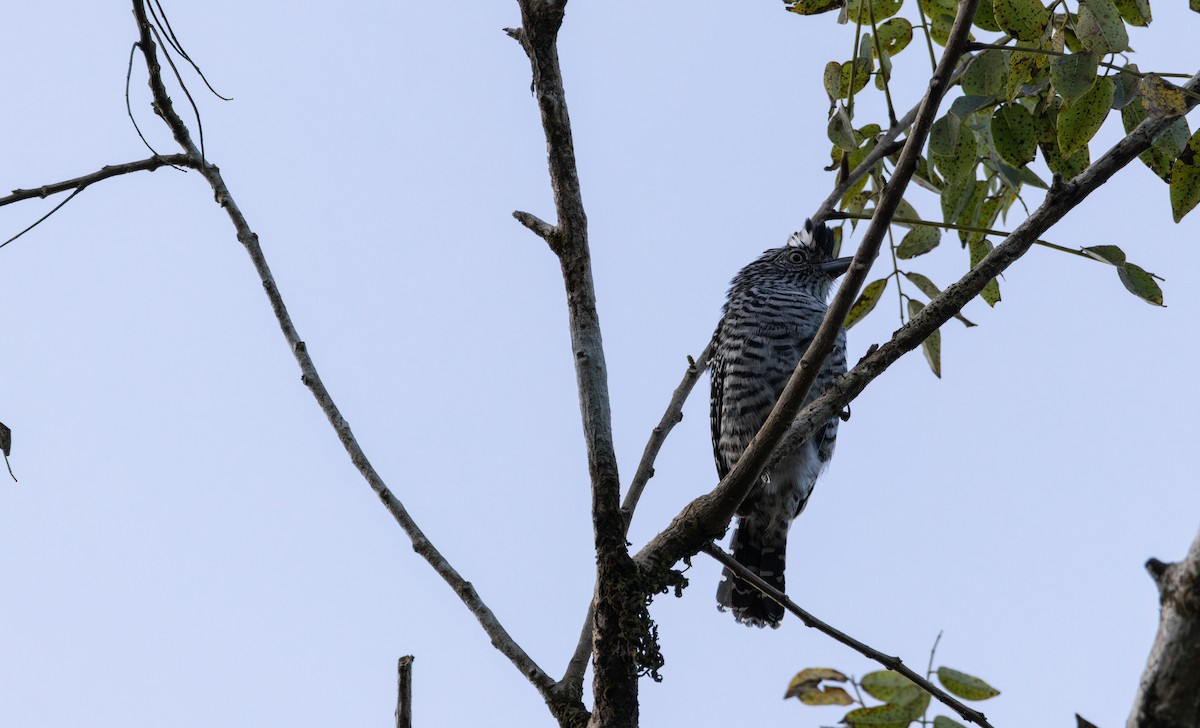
1031 100
901 701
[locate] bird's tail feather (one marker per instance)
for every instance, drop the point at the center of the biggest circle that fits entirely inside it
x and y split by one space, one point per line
762 551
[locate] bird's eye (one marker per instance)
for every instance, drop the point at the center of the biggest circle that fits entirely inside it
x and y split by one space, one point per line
796 257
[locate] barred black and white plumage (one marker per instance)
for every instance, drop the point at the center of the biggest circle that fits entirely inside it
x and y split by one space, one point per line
773 310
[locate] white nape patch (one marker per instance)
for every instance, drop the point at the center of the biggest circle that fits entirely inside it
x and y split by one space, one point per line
802 238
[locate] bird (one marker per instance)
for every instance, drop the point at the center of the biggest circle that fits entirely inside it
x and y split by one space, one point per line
772 312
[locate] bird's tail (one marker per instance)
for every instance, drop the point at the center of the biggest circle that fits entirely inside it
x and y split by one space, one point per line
762 551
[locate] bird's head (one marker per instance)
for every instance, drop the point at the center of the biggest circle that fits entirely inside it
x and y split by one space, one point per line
806 261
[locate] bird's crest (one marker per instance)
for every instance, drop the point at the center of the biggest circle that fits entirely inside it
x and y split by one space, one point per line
814 237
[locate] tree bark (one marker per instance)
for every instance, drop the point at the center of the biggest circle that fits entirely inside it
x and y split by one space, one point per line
1169 693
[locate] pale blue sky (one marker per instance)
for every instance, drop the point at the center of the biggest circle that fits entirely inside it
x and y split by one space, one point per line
189 545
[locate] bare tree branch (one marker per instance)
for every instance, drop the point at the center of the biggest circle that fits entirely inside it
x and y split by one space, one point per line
892 663
309 376
577 666
404 692
1169 693
617 599
706 518
111 170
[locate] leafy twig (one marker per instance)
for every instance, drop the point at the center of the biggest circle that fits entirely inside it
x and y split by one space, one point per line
888 661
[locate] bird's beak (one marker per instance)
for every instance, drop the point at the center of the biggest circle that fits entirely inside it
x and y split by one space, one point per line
835 268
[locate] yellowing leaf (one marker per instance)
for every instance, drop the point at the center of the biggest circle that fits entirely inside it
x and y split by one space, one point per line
1160 98
965 686
833 80
943 722
806 686
866 302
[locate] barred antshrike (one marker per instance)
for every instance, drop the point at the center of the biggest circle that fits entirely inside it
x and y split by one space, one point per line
774 308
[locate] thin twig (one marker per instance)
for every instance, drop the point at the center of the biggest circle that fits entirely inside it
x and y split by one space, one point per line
41 219
310 378
112 170
670 418
964 228
888 661
933 651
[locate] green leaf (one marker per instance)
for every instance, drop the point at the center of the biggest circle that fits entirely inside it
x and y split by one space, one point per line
1135 12
1127 87
943 135
955 198
1163 150
885 684
1075 74
894 35
987 75
1070 167
964 106
880 716
1100 28
1160 98
1079 120
965 686
861 72
941 17
1141 284
931 347
985 17
918 241
879 8
1185 179
840 131
815 7
924 285
866 302
1110 254
990 292
1013 134
943 722
1023 19
960 164
969 217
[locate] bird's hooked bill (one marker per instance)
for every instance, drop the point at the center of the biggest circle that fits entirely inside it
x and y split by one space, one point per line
836 267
